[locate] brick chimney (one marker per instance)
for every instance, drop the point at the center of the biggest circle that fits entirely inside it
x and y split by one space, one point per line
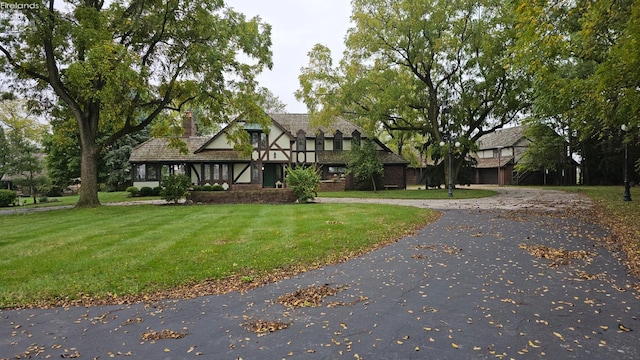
188 125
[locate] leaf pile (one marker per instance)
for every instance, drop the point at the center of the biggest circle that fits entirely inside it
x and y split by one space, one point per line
265 326
164 334
308 297
558 256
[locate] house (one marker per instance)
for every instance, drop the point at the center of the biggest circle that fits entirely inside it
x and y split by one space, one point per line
290 140
500 151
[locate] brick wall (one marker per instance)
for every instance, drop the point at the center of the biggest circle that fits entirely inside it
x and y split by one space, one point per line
330 185
263 196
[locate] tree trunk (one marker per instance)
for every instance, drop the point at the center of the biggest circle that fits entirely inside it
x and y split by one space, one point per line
373 182
89 160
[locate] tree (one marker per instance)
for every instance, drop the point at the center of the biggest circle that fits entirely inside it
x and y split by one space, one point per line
546 152
363 162
116 160
118 67
21 134
4 153
584 56
406 61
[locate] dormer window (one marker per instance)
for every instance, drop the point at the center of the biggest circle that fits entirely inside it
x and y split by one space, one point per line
356 137
337 141
301 141
320 141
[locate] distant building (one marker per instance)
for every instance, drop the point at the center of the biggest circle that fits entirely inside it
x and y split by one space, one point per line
500 151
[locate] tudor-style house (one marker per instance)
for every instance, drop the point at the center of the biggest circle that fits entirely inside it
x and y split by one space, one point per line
290 140
499 152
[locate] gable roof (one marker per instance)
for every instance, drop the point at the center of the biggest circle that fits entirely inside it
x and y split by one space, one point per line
296 122
159 149
501 138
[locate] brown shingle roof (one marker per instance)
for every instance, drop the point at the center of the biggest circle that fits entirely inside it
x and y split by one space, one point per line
501 138
296 122
156 150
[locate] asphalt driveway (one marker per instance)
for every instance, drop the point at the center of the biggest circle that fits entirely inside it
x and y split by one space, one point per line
482 282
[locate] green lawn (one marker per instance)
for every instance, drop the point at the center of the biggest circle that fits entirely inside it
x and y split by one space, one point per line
105 197
459 193
136 250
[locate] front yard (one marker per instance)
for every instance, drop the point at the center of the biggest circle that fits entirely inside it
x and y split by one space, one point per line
131 253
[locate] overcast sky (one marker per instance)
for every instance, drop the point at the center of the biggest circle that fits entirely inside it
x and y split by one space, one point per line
297 25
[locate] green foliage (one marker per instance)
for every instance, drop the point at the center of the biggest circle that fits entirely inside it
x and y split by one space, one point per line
217 187
175 187
364 163
304 181
22 156
157 190
4 153
118 66
145 191
584 57
133 191
7 197
408 59
547 150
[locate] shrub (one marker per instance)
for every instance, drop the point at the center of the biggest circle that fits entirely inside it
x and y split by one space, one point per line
196 188
43 199
157 190
304 181
217 187
145 191
132 190
175 187
51 190
207 188
7 197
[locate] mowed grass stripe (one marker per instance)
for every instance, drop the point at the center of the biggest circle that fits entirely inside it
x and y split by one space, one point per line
143 249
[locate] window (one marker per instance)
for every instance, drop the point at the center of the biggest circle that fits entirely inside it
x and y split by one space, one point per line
301 141
206 173
337 141
224 168
154 172
147 172
337 170
263 141
259 140
255 173
320 141
356 137
216 172
141 172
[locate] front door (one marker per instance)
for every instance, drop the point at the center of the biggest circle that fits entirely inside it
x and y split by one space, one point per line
270 175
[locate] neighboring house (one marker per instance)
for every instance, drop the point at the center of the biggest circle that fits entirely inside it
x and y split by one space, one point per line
9 181
290 140
499 152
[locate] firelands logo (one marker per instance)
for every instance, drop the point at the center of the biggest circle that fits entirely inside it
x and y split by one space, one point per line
4 6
